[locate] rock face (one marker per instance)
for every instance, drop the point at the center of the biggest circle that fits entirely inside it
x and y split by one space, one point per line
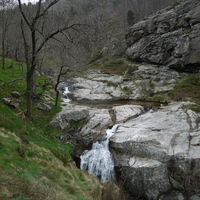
148 79
171 37
95 86
158 151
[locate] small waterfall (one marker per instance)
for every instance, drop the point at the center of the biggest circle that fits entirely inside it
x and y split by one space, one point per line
98 161
65 95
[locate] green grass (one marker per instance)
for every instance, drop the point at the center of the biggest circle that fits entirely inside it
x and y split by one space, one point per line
118 66
29 171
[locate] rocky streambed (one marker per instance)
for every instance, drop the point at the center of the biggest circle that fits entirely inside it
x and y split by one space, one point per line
156 148
155 151
146 80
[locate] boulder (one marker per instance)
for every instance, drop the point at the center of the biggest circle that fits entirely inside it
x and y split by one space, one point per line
11 103
7 101
159 149
16 94
144 177
96 126
101 119
68 115
43 106
126 112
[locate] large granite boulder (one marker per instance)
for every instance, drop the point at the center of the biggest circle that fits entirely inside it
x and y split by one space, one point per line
101 119
94 121
155 151
159 150
170 37
95 128
126 112
68 115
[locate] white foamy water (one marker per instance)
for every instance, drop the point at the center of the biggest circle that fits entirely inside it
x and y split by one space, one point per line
65 96
98 161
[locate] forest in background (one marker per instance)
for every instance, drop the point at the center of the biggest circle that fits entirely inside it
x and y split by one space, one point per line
102 23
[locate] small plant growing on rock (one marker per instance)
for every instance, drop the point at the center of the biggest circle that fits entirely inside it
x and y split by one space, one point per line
160 98
112 84
176 3
127 90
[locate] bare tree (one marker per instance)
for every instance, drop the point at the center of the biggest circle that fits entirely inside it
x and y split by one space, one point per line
61 73
39 35
7 14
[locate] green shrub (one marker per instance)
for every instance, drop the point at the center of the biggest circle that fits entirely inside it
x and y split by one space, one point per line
163 98
176 3
130 70
127 90
116 61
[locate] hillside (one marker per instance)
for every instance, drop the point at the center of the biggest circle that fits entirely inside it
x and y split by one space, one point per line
34 162
104 25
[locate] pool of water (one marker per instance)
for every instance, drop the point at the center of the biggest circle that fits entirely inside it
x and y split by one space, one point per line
111 103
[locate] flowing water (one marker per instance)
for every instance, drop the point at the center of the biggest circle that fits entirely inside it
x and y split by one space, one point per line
110 103
99 161
65 94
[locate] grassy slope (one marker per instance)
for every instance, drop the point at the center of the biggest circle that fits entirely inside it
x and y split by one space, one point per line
33 164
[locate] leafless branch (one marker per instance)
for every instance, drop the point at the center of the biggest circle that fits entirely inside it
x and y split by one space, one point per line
23 14
38 14
12 81
51 35
25 46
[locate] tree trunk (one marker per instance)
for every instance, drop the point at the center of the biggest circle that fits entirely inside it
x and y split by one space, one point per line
30 90
57 83
57 95
28 95
33 86
16 54
3 54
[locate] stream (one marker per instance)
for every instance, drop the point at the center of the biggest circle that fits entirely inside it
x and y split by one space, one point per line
110 103
99 161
